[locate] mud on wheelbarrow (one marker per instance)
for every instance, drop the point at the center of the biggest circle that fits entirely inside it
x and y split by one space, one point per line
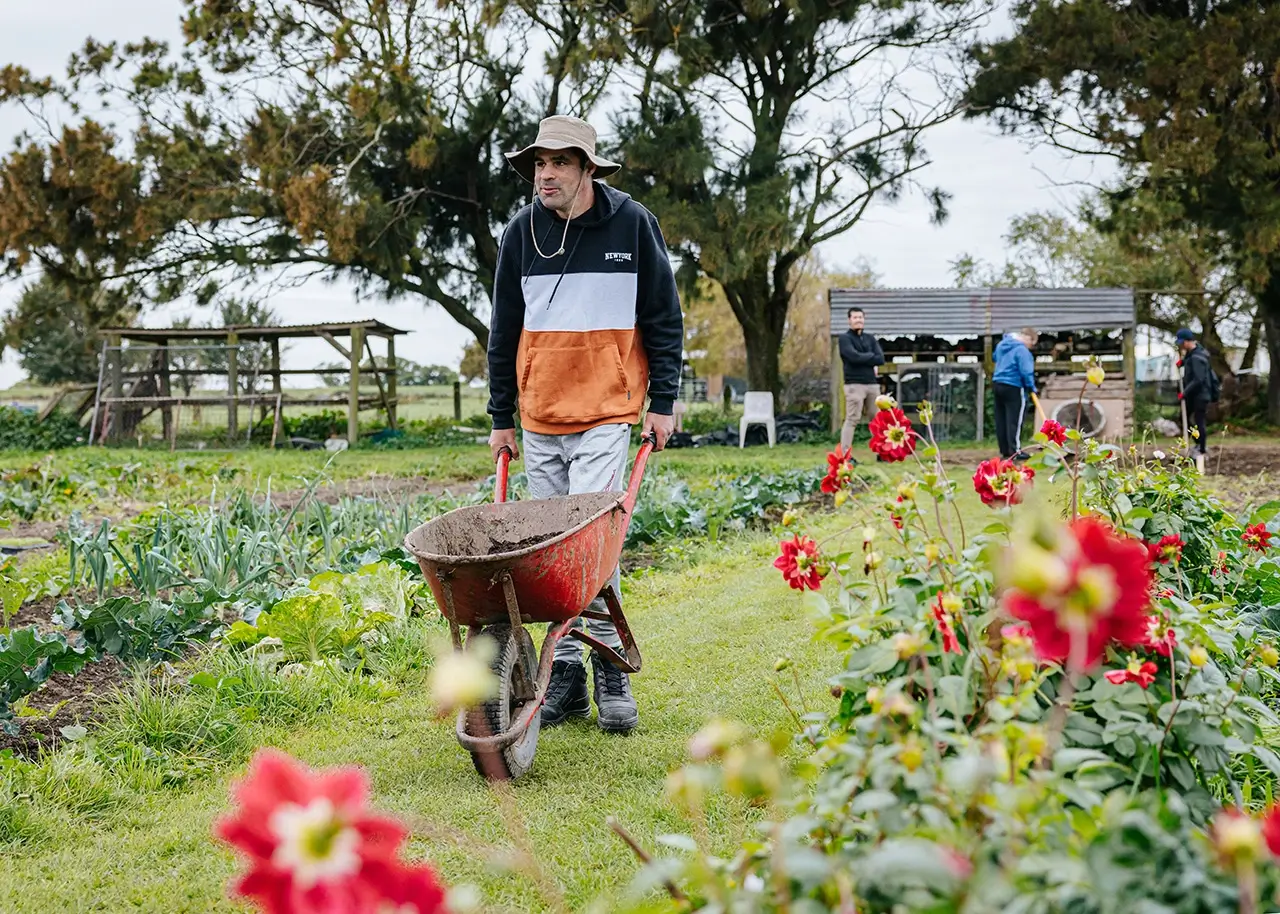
495 568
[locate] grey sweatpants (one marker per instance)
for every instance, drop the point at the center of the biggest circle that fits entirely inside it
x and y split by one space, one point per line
591 461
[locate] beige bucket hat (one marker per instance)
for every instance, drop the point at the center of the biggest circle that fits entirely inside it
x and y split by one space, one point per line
562 132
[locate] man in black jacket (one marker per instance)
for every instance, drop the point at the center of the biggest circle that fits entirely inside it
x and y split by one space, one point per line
1197 386
586 326
860 353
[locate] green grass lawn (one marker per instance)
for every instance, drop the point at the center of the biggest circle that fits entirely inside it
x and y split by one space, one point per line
709 632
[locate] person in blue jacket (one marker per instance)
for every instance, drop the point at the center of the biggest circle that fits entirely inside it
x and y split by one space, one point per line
1014 377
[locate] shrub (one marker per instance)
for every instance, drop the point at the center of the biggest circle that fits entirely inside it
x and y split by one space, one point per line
23 431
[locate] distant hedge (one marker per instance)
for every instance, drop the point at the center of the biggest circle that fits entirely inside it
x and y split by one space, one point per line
21 430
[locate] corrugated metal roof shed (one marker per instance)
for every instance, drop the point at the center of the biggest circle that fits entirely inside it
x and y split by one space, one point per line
977 312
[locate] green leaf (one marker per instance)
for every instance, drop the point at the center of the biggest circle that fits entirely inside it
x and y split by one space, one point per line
12 593
1265 513
205 680
73 732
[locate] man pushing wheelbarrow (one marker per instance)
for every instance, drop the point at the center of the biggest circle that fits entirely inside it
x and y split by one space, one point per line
586 321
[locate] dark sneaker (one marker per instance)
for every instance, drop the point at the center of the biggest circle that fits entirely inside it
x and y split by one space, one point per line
615 705
566 693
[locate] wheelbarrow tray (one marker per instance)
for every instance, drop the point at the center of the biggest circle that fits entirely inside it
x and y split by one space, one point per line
558 552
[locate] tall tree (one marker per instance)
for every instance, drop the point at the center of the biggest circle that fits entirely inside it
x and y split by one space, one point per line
1185 95
54 327
360 138
760 130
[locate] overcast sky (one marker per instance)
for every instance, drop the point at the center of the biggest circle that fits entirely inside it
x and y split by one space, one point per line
991 179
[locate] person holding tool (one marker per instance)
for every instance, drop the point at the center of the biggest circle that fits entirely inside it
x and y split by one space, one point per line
586 321
1200 387
1014 377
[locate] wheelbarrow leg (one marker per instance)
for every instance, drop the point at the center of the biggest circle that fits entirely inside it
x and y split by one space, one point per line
630 663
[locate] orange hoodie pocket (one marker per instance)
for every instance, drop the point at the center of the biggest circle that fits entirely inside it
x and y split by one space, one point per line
575 384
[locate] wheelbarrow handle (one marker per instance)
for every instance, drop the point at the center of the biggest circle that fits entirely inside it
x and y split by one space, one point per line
637 473
504 464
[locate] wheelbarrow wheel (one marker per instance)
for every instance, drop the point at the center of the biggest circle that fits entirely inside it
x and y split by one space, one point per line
515 666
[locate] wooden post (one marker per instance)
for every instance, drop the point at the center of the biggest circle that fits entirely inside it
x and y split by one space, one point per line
117 387
837 385
275 389
233 367
353 398
988 355
166 411
1130 356
457 400
391 380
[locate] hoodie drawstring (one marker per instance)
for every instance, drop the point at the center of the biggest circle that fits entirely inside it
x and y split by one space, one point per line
564 268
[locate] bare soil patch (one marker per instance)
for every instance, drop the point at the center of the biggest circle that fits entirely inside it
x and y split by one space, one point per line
63 701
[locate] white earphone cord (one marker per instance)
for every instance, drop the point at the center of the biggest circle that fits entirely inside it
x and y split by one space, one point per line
533 230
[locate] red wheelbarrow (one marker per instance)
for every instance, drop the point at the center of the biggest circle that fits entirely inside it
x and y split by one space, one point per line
495 568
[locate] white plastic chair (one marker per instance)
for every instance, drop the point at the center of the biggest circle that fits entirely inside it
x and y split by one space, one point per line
757 409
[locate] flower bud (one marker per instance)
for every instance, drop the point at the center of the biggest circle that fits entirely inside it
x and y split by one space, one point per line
462 679
1035 741
684 789
907 644
714 739
1198 656
951 604
907 491
1236 837
884 401
911 755
874 560
899 705
868 534
1268 655
751 771
791 516
931 552
1096 375
841 497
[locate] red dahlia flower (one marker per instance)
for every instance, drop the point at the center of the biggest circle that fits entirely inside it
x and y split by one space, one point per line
1094 584
1143 674
892 437
1257 537
314 848
998 480
838 470
1168 549
1161 637
1055 431
950 643
799 563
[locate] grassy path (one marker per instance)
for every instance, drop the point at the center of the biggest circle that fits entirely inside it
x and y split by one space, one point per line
709 632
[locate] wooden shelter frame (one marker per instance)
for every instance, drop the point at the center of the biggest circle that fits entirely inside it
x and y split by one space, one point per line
151 389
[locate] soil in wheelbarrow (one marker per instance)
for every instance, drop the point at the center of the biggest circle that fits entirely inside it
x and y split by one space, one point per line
498 547
519 525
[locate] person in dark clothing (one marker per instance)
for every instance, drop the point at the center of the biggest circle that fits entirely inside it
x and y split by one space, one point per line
1013 378
586 326
1197 386
861 354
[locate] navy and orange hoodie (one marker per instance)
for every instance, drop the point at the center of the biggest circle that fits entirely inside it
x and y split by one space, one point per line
579 339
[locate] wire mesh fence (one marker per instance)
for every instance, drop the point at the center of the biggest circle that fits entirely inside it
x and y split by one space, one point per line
955 390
